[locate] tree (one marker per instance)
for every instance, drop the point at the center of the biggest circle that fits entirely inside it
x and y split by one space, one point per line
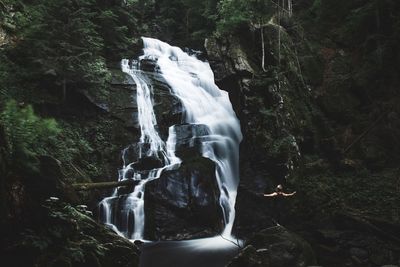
60 45
235 13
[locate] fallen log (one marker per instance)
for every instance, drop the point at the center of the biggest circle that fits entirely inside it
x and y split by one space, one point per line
103 185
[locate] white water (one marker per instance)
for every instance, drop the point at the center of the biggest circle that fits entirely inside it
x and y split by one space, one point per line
133 204
192 81
147 118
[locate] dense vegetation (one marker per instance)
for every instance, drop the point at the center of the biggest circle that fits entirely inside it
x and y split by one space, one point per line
318 102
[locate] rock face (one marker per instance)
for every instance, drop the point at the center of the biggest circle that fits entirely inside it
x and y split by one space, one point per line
183 203
188 139
356 240
311 120
275 247
274 109
121 103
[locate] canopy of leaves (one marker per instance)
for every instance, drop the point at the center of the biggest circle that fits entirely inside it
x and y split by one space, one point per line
61 44
234 13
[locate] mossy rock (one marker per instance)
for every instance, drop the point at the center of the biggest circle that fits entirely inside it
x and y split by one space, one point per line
275 247
60 235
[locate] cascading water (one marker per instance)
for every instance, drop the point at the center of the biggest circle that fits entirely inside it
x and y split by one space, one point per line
150 144
192 82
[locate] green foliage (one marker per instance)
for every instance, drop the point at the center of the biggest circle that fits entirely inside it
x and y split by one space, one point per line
66 240
326 193
117 25
200 18
186 21
234 13
64 45
26 135
60 42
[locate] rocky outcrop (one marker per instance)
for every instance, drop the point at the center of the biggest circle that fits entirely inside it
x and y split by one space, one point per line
189 138
228 57
354 239
275 247
275 109
299 114
184 203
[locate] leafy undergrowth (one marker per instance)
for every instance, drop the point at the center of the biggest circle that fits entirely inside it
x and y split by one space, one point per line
369 194
61 235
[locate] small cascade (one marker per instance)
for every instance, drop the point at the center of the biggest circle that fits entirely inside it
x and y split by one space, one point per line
147 118
192 82
129 220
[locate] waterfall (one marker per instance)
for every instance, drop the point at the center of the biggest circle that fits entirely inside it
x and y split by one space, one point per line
192 82
133 204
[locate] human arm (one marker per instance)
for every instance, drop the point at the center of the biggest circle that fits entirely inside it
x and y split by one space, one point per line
288 194
271 195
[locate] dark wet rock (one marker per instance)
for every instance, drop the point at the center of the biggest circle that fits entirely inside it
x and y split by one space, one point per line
189 138
150 65
131 153
197 53
275 247
227 58
232 67
355 242
147 163
167 107
140 156
119 100
360 253
253 211
183 203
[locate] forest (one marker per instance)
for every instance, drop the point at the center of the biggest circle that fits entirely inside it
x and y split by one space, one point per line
155 133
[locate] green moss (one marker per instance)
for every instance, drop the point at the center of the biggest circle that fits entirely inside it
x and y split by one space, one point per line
323 194
63 236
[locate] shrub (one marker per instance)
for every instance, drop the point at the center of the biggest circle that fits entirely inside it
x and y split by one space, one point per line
26 135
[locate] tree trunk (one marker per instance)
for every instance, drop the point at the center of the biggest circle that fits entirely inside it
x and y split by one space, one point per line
262 46
103 185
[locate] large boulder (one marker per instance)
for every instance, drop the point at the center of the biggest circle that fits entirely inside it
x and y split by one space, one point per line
189 139
275 247
183 203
